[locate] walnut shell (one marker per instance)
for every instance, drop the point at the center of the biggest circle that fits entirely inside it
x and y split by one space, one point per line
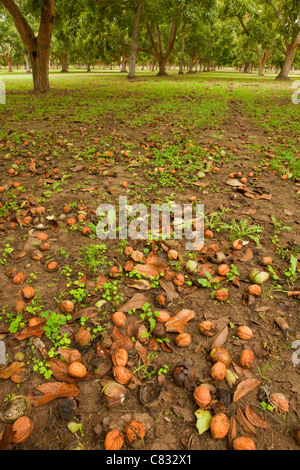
220 354
114 440
246 358
159 330
119 357
179 280
237 244
67 306
113 394
119 319
183 374
183 339
254 290
223 269
83 336
162 316
22 428
77 369
202 396
219 426
28 292
37 255
221 295
243 443
173 254
19 278
218 371
244 332
122 374
279 401
207 328
266 260
135 434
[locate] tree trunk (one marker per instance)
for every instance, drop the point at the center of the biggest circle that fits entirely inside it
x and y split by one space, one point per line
123 62
135 39
182 56
162 67
10 69
289 58
27 62
262 61
64 63
191 62
247 67
38 47
158 53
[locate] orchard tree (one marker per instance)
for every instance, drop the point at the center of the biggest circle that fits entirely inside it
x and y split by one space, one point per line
197 19
138 6
67 15
10 42
257 27
133 10
163 20
286 15
38 45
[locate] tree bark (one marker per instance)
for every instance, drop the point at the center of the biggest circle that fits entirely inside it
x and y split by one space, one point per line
289 58
262 61
158 53
38 47
123 62
247 68
182 56
27 62
10 69
135 39
7 57
64 63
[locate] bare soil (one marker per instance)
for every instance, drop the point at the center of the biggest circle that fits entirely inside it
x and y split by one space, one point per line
171 424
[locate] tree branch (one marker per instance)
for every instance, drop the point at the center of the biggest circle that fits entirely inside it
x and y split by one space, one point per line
155 50
243 25
22 25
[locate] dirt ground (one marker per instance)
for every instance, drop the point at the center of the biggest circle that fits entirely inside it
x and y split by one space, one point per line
171 424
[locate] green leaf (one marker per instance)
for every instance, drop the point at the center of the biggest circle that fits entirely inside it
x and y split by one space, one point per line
203 420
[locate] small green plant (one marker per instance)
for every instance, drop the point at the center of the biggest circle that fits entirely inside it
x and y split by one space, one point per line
265 369
79 293
163 370
145 370
266 406
93 256
207 281
242 230
5 253
292 273
43 367
233 273
111 293
278 226
52 329
213 220
148 315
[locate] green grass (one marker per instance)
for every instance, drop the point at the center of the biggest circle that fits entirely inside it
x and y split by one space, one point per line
186 103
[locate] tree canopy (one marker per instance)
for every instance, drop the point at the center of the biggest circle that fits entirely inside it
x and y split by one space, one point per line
246 34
